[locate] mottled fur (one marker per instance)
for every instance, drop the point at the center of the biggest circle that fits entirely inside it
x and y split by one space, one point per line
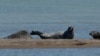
19 35
95 34
68 34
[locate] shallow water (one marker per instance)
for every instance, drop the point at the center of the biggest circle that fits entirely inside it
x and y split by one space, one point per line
50 16
51 52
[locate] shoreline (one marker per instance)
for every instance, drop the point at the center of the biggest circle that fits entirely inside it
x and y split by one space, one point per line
48 43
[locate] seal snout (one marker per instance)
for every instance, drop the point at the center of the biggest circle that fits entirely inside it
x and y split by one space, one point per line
71 28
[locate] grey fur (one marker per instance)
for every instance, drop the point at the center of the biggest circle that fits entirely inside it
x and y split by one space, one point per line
19 35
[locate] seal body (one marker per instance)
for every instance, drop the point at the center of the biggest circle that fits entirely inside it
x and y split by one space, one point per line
68 34
19 35
95 34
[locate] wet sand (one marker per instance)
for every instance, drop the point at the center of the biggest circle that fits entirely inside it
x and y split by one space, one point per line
48 43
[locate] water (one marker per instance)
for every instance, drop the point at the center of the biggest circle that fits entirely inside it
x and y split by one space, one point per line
50 16
51 52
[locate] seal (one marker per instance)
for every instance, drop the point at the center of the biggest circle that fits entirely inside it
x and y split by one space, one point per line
19 35
95 34
68 34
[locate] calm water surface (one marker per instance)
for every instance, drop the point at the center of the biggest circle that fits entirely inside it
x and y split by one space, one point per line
50 16
51 52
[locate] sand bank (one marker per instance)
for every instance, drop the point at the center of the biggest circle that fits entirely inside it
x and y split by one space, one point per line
48 43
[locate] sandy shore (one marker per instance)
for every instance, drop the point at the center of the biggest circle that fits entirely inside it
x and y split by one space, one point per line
47 43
